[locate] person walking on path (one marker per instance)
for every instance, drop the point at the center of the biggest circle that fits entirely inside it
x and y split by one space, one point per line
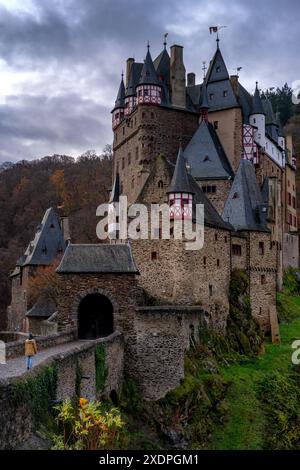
30 350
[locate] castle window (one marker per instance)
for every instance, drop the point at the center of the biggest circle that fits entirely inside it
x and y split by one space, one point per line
289 198
216 125
160 184
210 290
154 255
216 237
225 93
295 222
52 226
218 262
225 239
124 130
136 153
263 279
235 196
218 69
204 261
237 250
211 96
261 248
44 250
206 158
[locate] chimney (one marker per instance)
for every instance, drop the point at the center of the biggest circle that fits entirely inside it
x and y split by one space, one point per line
65 228
235 84
177 78
191 79
129 63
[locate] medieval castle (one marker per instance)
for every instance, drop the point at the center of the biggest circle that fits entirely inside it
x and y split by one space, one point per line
180 143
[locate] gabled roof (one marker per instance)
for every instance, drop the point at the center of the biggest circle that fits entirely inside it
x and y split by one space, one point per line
206 156
180 180
101 258
48 240
133 80
148 74
42 308
245 208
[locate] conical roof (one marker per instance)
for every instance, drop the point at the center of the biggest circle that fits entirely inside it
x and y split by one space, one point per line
257 107
180 181
204 98
120 101
148 75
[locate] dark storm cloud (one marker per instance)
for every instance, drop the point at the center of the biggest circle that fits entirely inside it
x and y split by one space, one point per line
76 50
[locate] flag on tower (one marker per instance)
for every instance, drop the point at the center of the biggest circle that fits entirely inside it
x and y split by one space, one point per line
213 29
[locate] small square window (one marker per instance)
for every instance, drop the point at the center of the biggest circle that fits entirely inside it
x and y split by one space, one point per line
263 279
225 93
211 96
154 255
216 125
261 248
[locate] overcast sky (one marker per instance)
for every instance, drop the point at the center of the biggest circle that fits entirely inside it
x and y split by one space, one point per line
61 60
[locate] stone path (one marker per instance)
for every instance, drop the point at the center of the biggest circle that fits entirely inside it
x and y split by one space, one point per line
17 366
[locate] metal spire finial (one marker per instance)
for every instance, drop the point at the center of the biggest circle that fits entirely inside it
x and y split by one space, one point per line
165 40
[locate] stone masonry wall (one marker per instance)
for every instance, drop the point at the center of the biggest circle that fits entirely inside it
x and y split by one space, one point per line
263 276
164 334
149 132
218 198
16 422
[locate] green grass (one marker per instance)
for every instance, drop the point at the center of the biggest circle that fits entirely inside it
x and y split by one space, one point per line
247 417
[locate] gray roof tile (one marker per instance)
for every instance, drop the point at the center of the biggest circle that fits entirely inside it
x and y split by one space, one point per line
206 156
245 208
101 258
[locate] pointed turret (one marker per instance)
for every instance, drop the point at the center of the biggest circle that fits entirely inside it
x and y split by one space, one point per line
257 118
180 191
204 106
149 89
118 111
218 84
257 106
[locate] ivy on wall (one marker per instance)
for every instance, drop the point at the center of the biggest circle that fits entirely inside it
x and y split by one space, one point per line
37 393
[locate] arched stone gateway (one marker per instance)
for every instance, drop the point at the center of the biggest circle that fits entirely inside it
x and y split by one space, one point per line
95 317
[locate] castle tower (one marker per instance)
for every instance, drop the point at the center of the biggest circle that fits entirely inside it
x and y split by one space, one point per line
180 192
118 111
149 89
177 77
257 118
130 95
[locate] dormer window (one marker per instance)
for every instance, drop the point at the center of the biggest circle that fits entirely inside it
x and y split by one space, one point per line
44 250
235 196
225 93
206 158
218 69
211 96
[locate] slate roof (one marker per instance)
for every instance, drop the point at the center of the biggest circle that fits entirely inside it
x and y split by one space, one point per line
245 208
48 240
245 101
204 97
257 106
120 101
180 180
148 74
134 76
206 156
162 66
211 216
42 308
101 258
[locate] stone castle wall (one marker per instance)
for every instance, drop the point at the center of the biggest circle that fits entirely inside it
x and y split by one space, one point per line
149 132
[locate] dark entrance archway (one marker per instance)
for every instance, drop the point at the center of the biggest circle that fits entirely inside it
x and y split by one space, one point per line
95 317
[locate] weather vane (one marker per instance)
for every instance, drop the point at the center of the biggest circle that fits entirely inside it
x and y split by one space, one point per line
204 68
216 29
